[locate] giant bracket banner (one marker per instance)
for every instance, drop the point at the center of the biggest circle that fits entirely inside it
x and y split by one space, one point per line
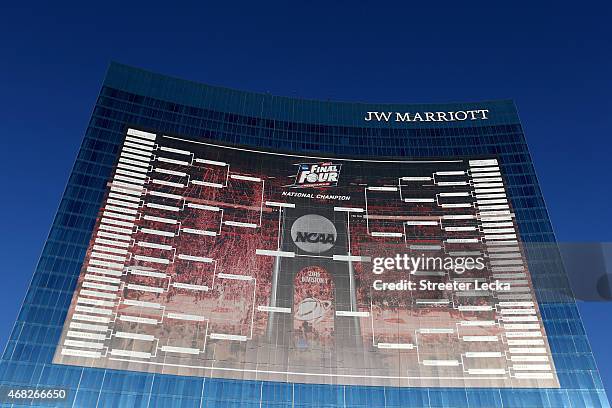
222 261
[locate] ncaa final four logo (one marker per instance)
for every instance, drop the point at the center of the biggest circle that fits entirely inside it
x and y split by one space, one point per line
324 174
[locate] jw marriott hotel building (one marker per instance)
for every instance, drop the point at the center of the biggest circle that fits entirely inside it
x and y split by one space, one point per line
221 248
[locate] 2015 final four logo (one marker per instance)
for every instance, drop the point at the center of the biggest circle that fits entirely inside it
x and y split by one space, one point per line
325 174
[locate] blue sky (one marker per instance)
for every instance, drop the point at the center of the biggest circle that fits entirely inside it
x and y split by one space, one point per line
554 60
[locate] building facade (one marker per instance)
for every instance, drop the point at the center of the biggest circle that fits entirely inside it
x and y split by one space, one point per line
101 317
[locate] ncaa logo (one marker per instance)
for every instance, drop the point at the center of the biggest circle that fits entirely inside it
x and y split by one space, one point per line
313 233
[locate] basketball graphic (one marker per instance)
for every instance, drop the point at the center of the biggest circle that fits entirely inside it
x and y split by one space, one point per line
311 309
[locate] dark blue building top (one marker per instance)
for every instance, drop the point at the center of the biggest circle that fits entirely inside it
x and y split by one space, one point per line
131 96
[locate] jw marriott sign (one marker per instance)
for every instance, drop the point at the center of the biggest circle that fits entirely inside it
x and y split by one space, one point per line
453 116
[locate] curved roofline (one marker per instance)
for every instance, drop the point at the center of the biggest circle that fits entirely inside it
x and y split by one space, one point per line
299 99
300 110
